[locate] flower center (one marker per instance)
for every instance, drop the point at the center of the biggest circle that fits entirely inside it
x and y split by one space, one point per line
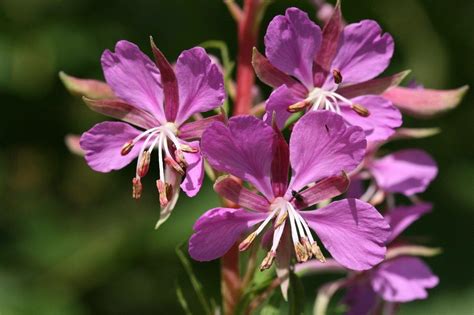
320 98
304 244
170 152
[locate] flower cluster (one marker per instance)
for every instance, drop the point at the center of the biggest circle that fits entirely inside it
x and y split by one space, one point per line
325 191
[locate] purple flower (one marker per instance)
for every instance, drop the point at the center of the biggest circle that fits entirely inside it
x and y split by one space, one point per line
400 279
157 101
333 69
407 172
322 147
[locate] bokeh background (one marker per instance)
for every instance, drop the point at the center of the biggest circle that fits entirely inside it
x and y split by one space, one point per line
74 242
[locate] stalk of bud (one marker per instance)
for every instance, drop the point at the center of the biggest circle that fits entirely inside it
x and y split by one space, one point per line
136 188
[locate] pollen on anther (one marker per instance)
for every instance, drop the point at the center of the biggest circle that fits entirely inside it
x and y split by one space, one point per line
337 76
127 147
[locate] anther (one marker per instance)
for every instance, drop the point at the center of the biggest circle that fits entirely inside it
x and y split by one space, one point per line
143 163
169 161
136 188
297 107
245 244
360 110
307 245
337 76
188 149
267 261
317 252
162 191
127 147
180 158
281 218
301 253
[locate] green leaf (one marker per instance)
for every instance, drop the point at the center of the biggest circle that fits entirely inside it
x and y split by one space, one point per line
296 298
182 300
197 286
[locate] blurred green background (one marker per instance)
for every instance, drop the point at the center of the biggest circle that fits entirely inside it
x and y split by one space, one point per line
74 242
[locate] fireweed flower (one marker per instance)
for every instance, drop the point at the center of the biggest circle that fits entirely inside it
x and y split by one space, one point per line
159 101
398 280
322 147
330 70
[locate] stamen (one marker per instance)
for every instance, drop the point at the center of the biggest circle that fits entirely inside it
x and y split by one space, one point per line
247 242
169 161
136 188
127 147
163 192
268 260
337 76
317 252
281 218
301 254
143 163
297 107
361 110
188 149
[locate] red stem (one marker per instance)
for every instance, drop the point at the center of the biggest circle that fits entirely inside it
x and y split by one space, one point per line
247 39
231 285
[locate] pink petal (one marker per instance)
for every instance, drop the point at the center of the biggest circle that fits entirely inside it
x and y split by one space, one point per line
103 143
327 188
278 103
194 171
291 42
363 53
425 102
407 171
280 164
360 298
201 84
232 190
402 217
353 232
331 33
86 87
118 109
218 229
374 86
382 121
236 149
403 279
323 145
194 129
169 82
272 76
134 78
